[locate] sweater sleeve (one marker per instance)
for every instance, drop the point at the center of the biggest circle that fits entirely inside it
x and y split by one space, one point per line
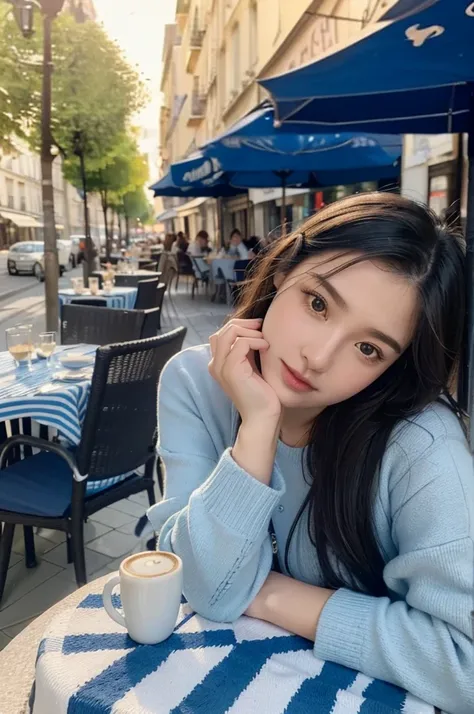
214 515
419 638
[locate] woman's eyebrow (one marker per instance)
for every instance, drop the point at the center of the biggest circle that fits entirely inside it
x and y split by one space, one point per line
339 300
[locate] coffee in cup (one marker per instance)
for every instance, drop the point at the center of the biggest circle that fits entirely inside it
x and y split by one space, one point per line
150 587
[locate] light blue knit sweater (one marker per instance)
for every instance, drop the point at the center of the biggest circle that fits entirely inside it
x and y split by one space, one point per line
215 516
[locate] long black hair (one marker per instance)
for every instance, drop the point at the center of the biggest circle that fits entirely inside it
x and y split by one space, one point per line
348 440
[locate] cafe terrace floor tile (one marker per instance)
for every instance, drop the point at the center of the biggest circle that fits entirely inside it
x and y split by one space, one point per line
94 560
38 600
114 544
130 507
21 580
111 517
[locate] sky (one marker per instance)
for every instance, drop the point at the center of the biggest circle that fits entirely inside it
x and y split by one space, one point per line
138 27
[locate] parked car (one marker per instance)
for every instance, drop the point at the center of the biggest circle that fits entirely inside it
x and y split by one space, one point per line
28 257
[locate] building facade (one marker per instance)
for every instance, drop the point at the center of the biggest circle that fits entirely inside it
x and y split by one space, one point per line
212 55
21 212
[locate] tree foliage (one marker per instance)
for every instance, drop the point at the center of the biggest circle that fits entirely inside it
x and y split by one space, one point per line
20 80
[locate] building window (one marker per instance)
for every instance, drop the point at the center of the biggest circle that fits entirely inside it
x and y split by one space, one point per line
22 193
253 34
10 193
235 59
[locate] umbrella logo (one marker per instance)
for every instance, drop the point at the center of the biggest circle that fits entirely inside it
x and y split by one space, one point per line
419 36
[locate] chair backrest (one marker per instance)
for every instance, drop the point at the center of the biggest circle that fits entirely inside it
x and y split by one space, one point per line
160 294
119 430
122 280
200 267
185 265
100 325
146 295
151 322
240 268
92 302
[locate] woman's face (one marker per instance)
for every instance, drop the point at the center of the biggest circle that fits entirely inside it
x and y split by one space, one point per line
339 334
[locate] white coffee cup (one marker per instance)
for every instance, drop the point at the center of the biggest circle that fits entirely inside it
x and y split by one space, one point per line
150 587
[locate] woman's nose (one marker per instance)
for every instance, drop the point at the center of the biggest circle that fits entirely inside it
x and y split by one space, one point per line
319 357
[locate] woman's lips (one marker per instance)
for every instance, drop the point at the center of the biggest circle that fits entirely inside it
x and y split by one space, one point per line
294 381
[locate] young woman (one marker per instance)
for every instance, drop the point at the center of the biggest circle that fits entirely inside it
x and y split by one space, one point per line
321 416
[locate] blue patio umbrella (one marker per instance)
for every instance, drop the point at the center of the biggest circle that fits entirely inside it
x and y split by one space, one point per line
253 154
253 144
411 74
166 187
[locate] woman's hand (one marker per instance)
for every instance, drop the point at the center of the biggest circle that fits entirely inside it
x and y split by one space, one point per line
233 367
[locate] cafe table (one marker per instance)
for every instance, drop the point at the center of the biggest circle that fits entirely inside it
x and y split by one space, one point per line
87 664
37 394
119 297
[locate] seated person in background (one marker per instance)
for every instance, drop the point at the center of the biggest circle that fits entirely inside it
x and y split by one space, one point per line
181 244
254 245
223 252
200 246
237 247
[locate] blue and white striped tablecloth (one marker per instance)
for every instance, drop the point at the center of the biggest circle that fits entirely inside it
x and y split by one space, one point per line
88 665
123 298
64 409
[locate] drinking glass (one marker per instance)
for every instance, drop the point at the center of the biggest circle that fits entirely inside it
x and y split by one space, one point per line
20 344
94 285
46 345
78 285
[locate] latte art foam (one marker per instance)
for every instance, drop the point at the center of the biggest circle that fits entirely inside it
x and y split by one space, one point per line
150 565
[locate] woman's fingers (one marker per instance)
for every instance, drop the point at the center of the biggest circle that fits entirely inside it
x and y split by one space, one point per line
239 353
223 340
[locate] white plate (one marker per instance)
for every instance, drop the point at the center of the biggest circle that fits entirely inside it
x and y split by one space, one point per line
76 360
70 376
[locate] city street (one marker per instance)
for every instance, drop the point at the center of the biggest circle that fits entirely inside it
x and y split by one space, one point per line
22 299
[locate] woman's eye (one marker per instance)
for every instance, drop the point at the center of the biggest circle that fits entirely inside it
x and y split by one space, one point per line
318 304
369 351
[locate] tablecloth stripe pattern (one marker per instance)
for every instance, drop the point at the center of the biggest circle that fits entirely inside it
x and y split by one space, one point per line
64 410
123 298
87 664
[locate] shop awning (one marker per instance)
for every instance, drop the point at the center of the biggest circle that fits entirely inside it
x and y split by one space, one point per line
166 215
20 219
190 207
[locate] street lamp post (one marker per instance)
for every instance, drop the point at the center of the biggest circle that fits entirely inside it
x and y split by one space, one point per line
23 10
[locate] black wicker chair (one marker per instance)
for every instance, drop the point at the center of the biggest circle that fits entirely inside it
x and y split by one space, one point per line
91 302
122 280
118 437
160 295
103 325
201 274
146 295
185 267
